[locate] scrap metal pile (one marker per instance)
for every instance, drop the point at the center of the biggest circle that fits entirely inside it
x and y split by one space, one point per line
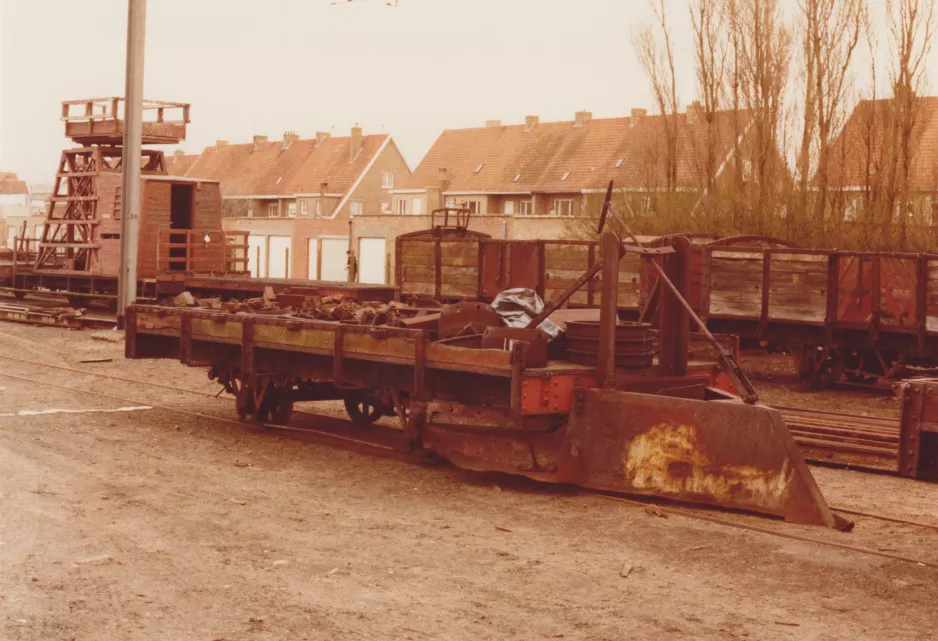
329 308
463 323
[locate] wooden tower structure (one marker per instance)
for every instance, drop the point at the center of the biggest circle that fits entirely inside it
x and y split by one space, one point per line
86 196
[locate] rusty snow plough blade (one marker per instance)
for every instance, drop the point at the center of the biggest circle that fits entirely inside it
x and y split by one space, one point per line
719 453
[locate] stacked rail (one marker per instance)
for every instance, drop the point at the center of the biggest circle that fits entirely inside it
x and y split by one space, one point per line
847 439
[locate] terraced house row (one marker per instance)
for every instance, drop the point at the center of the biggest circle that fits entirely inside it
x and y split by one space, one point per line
307 202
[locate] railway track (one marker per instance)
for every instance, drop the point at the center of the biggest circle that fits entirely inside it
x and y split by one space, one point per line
828 437
51 313
847 439
329 436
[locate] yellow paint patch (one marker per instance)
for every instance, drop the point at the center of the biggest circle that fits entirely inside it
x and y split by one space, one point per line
667 460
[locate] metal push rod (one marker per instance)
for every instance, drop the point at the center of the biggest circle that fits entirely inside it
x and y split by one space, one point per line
727 361
130 162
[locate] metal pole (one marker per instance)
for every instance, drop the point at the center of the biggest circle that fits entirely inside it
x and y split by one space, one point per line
130 163
610 253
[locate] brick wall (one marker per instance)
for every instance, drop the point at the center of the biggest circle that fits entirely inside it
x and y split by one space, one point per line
370 191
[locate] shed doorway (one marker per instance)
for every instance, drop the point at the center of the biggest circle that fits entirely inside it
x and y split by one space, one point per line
180 220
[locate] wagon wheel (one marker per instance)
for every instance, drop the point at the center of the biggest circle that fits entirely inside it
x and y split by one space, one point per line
244 401
365 409
277 405
281 406
828 370
854 370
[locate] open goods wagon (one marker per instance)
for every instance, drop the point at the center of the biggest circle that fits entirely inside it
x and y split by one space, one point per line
859 314
856 314
646 422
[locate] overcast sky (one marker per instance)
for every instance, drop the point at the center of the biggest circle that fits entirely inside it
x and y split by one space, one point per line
262 67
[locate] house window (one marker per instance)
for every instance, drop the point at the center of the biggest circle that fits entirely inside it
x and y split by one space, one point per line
509 207
402 206
291 210
250 212
318 207
418 207
304 207
474 206
526 207
273 210
387 180
563 207
385 207
356 208
450 202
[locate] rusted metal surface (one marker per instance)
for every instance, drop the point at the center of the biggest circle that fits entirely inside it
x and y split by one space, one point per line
918 446
466 318
504 337
635 343
725 454
552 394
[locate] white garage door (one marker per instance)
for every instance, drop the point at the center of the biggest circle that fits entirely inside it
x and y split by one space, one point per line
257 256
278 251
371 260
334 259
312 269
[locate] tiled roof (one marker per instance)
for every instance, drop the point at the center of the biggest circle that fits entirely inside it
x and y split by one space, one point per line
267 169
11 184
179 165
561 156
865 146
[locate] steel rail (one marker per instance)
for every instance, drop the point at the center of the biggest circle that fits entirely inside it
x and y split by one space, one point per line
784 535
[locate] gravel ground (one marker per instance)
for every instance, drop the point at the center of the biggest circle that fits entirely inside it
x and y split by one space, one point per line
150 524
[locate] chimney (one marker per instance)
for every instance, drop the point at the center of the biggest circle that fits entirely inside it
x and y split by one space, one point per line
258 141
638 114
443 180
493 123
221 144
320 136
324 206
530 122
178 154
355 143
582 117
693 112
289 137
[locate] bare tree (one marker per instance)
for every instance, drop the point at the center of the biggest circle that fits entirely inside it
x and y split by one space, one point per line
762 50
911 26
710 53
657 59
832 31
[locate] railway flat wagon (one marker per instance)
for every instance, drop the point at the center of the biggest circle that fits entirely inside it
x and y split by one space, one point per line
633 416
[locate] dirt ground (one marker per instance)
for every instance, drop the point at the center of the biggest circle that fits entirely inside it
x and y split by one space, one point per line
148 524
